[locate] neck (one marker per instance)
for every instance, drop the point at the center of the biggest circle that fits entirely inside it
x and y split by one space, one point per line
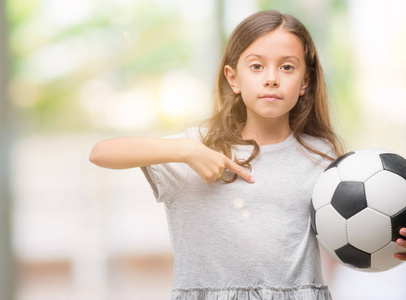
270 132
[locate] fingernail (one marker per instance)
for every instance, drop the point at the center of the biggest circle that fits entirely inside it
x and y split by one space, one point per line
252 180
403 232
400 242
397 256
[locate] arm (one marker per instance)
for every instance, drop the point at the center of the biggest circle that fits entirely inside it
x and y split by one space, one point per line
131 152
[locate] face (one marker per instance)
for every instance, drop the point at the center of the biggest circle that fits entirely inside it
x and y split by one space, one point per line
270 75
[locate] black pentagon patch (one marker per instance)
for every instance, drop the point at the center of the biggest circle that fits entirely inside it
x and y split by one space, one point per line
394 163
354 257
349 198
339 160
313 217
398 221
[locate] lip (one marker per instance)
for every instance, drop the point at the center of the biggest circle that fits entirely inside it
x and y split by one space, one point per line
270 97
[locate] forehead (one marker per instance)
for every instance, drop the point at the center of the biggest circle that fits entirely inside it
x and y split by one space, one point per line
276 43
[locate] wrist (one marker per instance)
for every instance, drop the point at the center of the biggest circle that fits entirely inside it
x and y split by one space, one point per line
186 150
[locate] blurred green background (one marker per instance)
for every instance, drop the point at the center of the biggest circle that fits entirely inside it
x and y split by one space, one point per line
78 71
83 66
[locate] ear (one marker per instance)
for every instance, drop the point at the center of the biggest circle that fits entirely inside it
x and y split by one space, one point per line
231 76
305 84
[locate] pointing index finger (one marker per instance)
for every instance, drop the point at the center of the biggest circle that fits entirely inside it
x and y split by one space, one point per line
232 166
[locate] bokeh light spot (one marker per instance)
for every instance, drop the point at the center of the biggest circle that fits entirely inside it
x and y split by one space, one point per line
238 203
245 213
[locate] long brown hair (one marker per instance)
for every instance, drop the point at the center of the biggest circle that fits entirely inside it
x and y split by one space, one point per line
310 115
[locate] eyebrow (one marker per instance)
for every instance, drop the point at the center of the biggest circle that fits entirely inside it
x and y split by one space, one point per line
284 57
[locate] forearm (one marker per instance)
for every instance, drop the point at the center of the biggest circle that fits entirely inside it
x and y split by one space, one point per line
131 152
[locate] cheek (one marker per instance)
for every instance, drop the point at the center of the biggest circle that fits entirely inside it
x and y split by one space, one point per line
246 84
295 87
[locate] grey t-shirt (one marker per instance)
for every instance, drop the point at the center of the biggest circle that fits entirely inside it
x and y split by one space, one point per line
242 240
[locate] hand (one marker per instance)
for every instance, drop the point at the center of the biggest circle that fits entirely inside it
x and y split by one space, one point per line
401 242
210 164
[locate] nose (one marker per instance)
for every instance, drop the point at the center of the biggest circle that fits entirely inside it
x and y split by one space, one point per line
271 78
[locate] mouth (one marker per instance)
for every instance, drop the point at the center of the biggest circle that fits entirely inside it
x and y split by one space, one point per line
270 97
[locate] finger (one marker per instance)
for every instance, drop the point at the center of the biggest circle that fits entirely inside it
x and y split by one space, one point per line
401 242
401 256
220 175
207 181
402 231
232 166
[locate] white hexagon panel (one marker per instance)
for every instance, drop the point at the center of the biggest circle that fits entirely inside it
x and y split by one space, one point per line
373 151
331 227
369 230
325 187
360 166
384 258
328 250
385 192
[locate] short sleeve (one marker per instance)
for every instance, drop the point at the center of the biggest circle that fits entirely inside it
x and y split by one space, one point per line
168 180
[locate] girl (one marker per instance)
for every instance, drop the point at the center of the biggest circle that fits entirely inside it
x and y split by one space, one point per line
234 237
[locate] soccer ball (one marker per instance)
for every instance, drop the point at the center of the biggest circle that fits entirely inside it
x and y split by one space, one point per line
358 207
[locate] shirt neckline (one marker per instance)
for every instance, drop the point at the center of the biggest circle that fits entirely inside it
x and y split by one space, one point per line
270 147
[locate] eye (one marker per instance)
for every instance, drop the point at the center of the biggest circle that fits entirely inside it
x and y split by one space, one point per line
287 68
256 67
